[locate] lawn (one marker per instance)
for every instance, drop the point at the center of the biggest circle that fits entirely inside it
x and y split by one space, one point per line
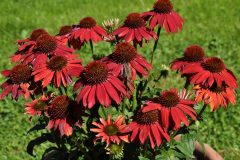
213 24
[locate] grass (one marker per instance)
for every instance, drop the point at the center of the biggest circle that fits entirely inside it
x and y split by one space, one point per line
214 24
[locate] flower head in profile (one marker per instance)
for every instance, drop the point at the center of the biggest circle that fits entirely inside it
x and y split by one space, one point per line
57 112
147 125
215 96
172 107
163 15
64 34
111 132
111 24
134 29
192 54
127 62
18 81
37 106
98 84
87 30
211 70
58 69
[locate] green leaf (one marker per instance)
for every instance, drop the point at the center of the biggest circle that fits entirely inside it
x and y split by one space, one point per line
142 158
187 145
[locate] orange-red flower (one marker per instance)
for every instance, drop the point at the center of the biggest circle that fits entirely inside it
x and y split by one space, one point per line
211 70
126 61
192 54
58 69
99 84
37 106
147 125
215 96
18 81
134 29
163 15
173 108
86 30
111 132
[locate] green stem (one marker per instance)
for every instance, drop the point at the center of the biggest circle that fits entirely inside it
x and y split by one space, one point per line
91 46
134 97
155 44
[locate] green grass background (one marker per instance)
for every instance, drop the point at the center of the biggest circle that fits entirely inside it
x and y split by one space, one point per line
213 24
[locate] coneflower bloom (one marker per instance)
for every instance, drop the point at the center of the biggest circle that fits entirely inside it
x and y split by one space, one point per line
215 96
37 106
64 34
111 132
127 62
209 71
57 112
134 29
172 108
58 69
18 81
163 15
99 84
87 30
192 54
147 125
27 45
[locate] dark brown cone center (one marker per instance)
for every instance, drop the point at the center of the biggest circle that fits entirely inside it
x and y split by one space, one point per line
134 20
57 63
147 117
214 65
95 73
37 33
194 53
58 109
65 30
46 44
124 53
20 74
111 130
168 99
163 6
87 22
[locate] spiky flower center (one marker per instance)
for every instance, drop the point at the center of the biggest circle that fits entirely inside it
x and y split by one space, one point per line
169 99
147 117
46 43
20 74
57 63
58 109
87 22
40 105
95 73
163 6
37 33
134 20
194 53
216 89
65 30
214 65
124 52
111 130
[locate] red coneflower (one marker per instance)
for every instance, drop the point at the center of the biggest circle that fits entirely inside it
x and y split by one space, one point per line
192 54
209 71
109 131
215 96
87 30
18 81
134 29
64 34
58 68
147 125
99 84
27 45
125 60
57 113
163 15
37 106
173 109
